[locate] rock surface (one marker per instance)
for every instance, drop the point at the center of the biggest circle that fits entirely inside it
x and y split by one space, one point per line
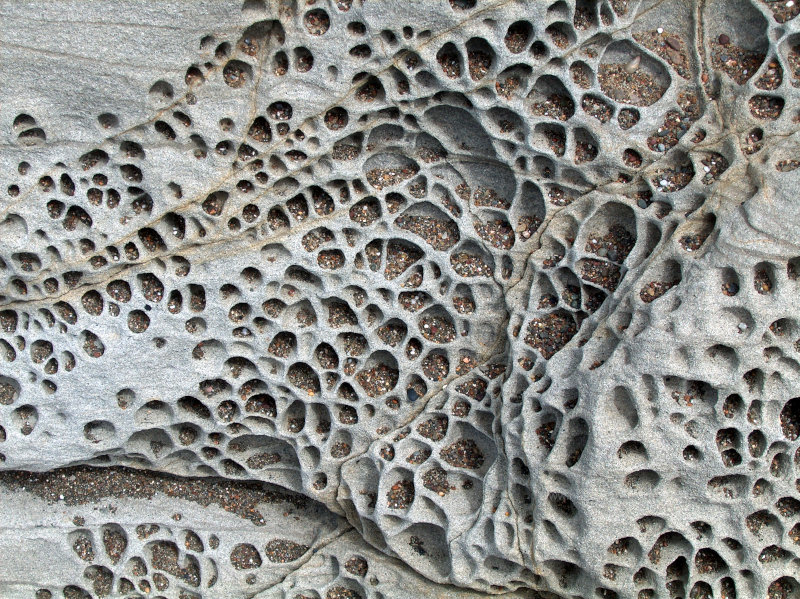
356 299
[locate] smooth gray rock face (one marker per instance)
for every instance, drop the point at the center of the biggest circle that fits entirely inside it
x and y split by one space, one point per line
360 298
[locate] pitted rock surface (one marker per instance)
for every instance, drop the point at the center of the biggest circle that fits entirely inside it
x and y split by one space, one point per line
359 298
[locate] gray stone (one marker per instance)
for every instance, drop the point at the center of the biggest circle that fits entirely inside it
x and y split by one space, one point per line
479 297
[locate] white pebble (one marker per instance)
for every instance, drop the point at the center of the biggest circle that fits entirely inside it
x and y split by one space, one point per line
661 29
663 182
790 3
742 326
633 64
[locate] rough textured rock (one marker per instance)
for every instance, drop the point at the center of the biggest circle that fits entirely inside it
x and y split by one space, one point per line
374 299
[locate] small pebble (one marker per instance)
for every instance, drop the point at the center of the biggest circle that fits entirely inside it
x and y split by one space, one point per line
633 64
724 40
412 394
742 326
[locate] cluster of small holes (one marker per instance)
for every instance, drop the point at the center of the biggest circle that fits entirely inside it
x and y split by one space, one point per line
384 258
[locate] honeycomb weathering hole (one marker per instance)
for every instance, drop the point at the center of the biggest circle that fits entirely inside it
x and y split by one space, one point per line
441 293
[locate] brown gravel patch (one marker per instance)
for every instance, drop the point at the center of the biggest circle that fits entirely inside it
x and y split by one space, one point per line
245 557
388 177
391 333
165 557
342 593
80 485
401 495
676 123
766 108
356 565
83 548
627 118
516 38
413 301
433 428
469 265
551 332
439 234
450 64
655 289
461 408
281 551
497 233
378 380
437 329
399 257
435 367
488 197
714 165
315 238
601 273
669 46
419 456
474 388
615 245
144 531
506 87
554 107
738 63
262 460
673 179
115 542
782 11
771 78
597 108
558 196
8 393
435 479
478 63
638 87
464 453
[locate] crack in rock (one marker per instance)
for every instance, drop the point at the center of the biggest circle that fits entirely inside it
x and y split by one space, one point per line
366 299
